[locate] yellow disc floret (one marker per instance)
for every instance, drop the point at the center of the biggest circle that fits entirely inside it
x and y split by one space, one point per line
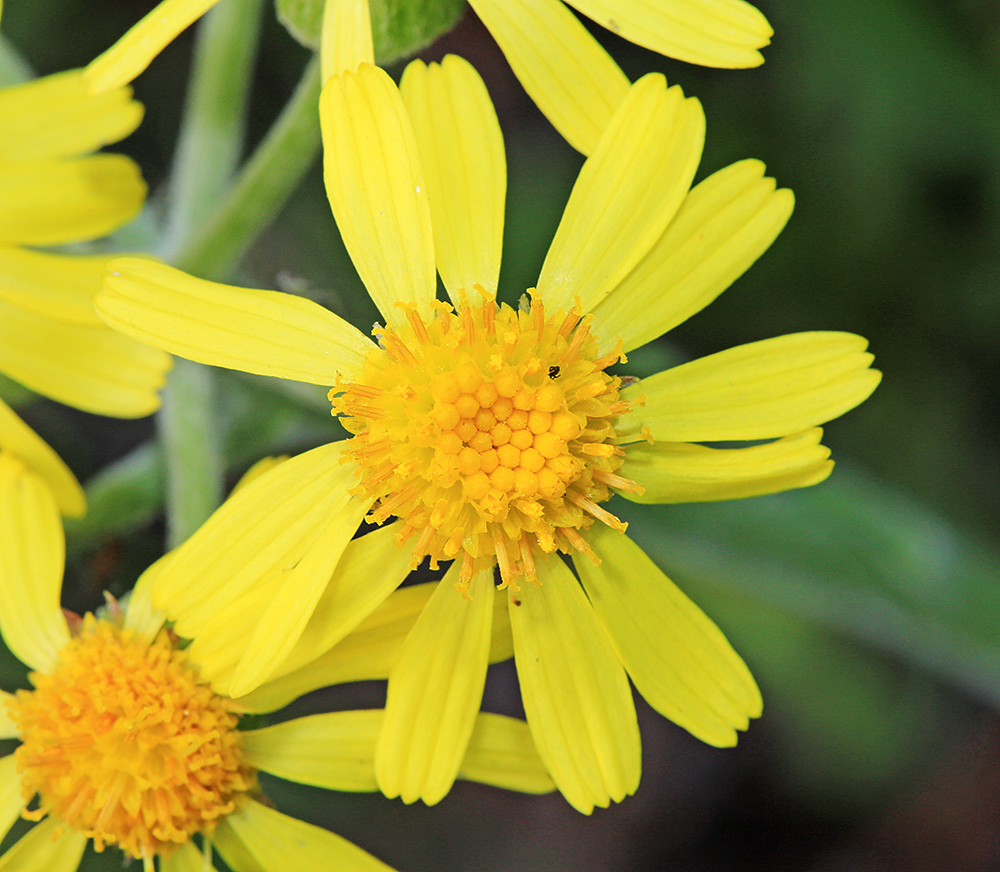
123 743
489 432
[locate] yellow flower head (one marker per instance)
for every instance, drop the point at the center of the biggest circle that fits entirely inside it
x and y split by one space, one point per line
124 743
494 434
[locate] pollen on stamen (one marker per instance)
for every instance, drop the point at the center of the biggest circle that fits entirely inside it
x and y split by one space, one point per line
489 431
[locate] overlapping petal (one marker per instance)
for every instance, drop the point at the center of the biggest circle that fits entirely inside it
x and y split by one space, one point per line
18 439
57 286
32 554
562 67
760 390
346 38
50 201
714 33
679 660
575 693
435 689
724 224
57 117
264 332
462 155
11 801
625 195
47 847
371 166
679 472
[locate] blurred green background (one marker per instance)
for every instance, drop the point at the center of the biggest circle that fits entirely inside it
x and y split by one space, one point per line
867 607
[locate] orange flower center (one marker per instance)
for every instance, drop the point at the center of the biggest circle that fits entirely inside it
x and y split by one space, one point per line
489 432
123 743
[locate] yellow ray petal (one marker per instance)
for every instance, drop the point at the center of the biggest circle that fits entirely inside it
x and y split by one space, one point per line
760 390
11 801
723 226
32 553
576 695
678 659
264 332
435 690
562 67
714 33
56 117
8 730
279 843
49 202
20 440
374 181
346 38
371 651
678 472
87 367
58 286
626 193
501 752
187 858
47 847
136 49
141 616
462 154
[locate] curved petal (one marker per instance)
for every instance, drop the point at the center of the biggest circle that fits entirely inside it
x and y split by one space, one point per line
435 689
19 439
565 71
47 847
144 41
576 696
679 472
714 33
141 616
187 858
265 332
280 535
371 651
89 368
8 729
11 800
625 195
49 202
56 117
678 659
761 390
371 166
58 286
279 843
501 752
724 224
462 154
32 554
346 38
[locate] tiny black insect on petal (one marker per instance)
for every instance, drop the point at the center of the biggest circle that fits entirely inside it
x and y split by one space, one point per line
553 372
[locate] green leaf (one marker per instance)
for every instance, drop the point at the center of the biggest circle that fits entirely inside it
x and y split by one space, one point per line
399 27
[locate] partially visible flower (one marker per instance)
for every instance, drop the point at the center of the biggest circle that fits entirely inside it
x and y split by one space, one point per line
563 68
53 190
124 744
495 434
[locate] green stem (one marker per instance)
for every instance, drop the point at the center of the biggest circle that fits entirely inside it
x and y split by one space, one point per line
211 138
186 425
263 186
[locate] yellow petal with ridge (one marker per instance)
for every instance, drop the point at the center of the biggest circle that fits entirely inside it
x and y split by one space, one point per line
58 286
11 801
462 154
435 689
678 659
46 847
264 332
32 555
575 692
724 224
371 167
625 195
346 37
679 472
713 33
760 390
563 68
187 858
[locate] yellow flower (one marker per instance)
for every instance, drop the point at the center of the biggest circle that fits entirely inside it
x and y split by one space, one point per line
123 743
436 403
563 68
54 191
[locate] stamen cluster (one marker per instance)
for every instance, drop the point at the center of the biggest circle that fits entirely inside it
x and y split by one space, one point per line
489 432
121 742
